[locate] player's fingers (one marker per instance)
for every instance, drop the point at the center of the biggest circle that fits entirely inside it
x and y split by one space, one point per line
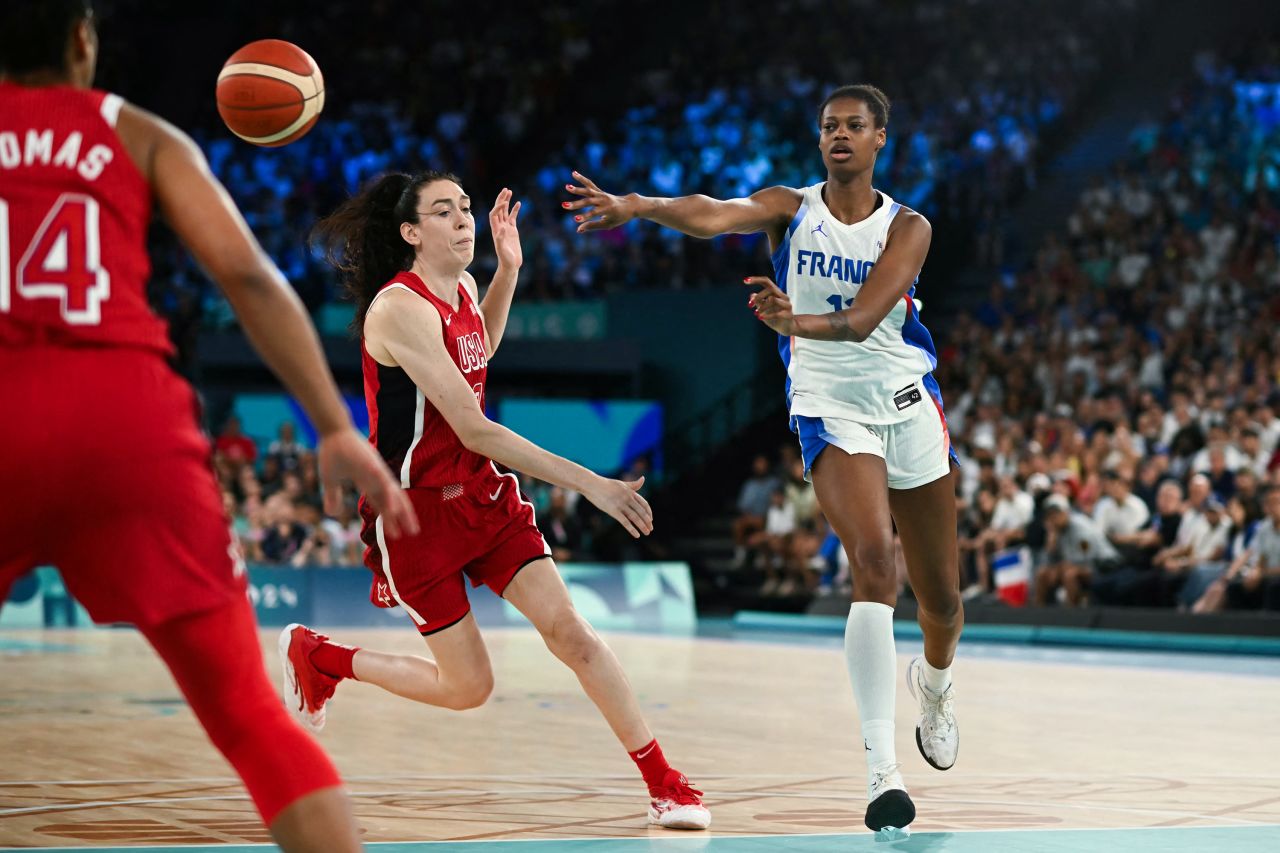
636 484
578 204
586 182
643 508
621 518
377 494
515 211
578 190
402 509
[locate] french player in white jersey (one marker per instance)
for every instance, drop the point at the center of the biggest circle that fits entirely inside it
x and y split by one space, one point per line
864 403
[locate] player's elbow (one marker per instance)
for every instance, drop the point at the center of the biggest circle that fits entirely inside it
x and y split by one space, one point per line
477 434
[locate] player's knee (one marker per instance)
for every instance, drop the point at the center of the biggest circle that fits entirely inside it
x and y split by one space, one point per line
942 607
472 693
874 561
572 639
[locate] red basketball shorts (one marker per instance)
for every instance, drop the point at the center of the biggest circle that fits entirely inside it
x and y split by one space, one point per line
106 475
483 528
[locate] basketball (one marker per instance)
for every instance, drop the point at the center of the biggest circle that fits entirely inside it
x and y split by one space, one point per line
270 92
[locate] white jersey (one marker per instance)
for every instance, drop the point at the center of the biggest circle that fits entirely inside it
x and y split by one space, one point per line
822 264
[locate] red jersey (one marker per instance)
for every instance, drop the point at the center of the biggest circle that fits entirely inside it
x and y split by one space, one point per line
410 433
74 211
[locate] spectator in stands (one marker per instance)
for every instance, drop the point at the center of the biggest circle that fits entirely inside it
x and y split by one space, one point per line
773 545
1255 582
1013 511
1183 582
1206 589
1120 513
343 531
1076 553
1256 458
285 450
284 535
233 446
753 505
561 528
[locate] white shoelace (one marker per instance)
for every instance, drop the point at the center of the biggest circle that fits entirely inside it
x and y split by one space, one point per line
881 777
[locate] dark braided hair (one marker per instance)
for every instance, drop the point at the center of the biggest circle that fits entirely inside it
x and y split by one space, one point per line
361 239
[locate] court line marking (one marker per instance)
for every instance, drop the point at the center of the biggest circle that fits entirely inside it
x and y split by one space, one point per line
754 794
381 777
638 839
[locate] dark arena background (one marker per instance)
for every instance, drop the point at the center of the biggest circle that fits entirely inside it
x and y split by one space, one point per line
1102 178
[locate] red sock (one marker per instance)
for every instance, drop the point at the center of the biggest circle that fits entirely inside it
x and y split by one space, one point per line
652 763
334 659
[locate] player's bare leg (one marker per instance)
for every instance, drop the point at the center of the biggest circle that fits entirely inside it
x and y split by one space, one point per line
459 678
853 493
926 520
317 823
540 594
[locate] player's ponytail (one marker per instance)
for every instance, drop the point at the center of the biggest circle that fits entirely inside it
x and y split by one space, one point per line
361 239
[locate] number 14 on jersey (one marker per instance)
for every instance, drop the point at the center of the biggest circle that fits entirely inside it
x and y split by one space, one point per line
63 261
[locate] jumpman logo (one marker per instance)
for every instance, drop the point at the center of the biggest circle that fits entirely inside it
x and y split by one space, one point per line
819 229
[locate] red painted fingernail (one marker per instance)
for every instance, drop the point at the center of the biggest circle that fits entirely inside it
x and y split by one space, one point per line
564 204
577 219
745 280
568 186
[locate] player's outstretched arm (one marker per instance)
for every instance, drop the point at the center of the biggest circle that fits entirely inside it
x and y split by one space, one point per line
404 329
207 221
768 210
506 243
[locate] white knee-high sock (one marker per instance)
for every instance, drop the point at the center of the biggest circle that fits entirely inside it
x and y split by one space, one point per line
869 654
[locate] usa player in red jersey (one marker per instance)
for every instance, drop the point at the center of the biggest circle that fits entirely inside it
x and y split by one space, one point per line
104 466
403 246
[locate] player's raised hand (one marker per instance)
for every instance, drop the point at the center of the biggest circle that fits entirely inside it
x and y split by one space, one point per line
772 306
622 501
346 455
506 237
596 209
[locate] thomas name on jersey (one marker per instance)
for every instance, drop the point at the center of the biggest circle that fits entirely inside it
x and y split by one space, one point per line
38 148
848 270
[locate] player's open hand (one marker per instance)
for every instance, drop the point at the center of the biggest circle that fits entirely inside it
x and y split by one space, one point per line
622 500
772 306
347 455
597 210
506 237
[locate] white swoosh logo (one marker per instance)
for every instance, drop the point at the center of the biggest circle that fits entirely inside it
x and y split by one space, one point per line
494 496
646 752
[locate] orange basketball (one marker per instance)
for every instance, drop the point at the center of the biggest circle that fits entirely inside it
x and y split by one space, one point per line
270 92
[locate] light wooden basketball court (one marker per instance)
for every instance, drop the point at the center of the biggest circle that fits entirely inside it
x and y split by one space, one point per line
1063 751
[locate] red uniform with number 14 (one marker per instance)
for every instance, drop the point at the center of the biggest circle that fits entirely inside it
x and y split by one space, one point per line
102 459
473 519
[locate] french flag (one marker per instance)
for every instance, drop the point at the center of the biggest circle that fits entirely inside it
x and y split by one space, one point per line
1012 571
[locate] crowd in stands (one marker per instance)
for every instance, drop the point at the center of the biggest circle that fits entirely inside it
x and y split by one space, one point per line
974 91
1116 405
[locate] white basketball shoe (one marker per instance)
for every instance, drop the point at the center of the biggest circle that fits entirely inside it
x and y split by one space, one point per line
937 734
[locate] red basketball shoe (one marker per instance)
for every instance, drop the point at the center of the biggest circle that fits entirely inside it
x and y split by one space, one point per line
676 805
306 689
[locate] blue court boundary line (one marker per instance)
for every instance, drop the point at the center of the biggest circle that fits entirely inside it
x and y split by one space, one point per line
1032 635
1257 837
